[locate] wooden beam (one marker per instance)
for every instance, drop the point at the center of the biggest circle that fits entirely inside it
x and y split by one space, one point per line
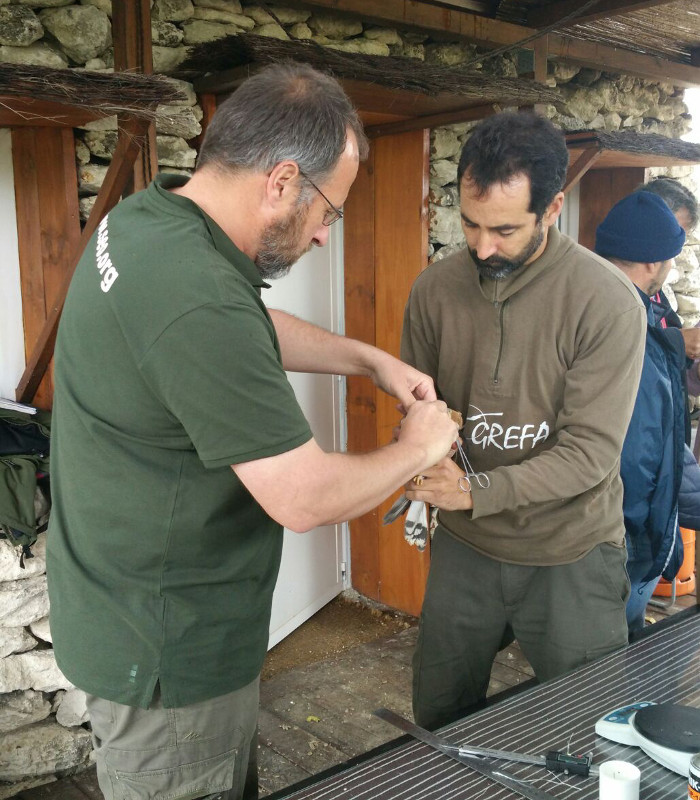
495 33
431 121
580 167
548 15
131 136
480 6
133 52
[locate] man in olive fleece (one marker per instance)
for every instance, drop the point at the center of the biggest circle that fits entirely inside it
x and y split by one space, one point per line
539 343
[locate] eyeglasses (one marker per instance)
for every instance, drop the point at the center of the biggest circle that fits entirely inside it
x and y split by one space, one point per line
332 214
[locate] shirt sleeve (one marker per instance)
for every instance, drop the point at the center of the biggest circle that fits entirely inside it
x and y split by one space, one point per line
218 371
599 394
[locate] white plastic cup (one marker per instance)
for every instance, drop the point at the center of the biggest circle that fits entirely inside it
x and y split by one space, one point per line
618 780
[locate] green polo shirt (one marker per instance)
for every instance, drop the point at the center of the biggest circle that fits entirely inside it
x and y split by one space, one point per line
161 565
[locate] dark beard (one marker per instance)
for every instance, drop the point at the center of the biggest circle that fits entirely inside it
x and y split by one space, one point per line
279 245
495 267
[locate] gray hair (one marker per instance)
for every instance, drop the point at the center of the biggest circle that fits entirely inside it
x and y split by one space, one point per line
286 111
674 194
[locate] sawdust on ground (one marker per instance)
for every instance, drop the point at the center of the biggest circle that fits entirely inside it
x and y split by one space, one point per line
345 622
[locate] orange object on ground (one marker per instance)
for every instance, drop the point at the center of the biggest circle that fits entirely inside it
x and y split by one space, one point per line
685 580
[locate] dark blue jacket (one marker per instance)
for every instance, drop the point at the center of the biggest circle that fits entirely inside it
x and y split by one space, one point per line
651 466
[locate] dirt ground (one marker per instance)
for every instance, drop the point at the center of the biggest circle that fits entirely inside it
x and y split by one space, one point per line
345 622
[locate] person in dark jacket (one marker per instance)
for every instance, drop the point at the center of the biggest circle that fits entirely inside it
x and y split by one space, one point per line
641 236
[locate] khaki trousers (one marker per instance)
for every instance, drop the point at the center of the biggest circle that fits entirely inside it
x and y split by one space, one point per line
562 616
202 750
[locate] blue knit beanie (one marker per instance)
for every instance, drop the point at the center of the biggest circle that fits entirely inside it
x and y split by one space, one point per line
640 228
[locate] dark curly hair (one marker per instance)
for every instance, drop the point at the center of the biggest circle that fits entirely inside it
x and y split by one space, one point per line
510 144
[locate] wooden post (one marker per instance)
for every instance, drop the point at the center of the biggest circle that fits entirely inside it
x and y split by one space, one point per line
133 52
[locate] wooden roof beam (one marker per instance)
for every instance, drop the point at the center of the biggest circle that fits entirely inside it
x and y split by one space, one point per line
547 15
495 33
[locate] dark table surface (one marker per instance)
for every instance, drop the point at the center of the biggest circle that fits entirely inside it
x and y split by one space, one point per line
663 666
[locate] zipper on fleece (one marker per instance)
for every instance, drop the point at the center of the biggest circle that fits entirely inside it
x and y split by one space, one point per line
502 336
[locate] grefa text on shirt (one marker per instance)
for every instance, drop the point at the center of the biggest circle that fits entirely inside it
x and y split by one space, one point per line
486 431
104 262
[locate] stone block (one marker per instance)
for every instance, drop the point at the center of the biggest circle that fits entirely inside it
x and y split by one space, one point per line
101 143
273 31
166 34
445 251
408 50
226 17
449 54
386 35
443 172
334 27
198 31
98 65
39 54
360 45
15 640
82 32
300 31
561 72
41 629
172 10
168 59
688 304
23 602
85 205
42 749
36 669
220 5
444 143
10 790
179 121
175 152
19 26
72 709
82 152
42 3
103 5
10 569
18 709
446 225
291 16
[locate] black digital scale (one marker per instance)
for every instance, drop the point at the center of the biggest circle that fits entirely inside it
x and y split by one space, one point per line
667 732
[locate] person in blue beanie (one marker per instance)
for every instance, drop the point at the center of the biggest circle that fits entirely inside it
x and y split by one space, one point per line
641 236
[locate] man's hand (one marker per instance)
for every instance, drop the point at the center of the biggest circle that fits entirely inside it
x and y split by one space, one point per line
441 487
691 339
400 380
428 426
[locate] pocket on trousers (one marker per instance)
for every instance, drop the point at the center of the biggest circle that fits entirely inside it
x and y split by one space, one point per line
183 782
612 562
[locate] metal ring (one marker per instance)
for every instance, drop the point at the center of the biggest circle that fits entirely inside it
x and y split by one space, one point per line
461 486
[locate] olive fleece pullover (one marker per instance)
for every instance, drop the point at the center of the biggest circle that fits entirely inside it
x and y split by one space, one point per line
544 366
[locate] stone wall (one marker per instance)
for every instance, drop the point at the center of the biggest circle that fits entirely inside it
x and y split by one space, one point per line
42 717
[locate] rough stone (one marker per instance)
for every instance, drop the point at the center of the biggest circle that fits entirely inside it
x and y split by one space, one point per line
687 261
36 669
562 72
443 172
291 16
42 3
41 629
175 152
23 602
587 76
103 5
444 143
334 27
179 121
18 709
408 50
446 251
258 14
385 35
86 204
687 304
272 31
10 569
500 67
172 10
15 640
226 17
101 143
40 54
612 121
82 152
168 59
300 31
361 45
45 748
186 90
166 34
101 124
72 709
449 54
220 5
10 790
83 32
445 225
444 196
19 26
198 31
632 122
97 65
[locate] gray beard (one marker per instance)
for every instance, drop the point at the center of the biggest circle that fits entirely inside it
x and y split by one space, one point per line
494 268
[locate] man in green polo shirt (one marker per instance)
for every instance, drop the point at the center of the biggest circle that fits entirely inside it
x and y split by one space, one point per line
180 451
